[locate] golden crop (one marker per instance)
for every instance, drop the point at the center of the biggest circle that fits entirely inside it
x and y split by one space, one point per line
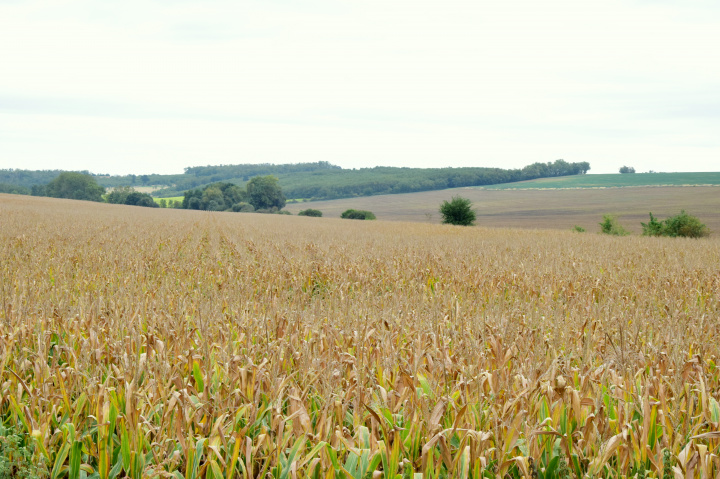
164 343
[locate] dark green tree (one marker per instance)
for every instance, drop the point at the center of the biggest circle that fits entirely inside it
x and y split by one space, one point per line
264 193
458 211
627 169
75 186
140 199
119 194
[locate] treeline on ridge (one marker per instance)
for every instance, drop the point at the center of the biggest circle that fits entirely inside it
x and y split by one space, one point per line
319 180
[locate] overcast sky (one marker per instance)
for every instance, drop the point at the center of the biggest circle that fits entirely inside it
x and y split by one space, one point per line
153 86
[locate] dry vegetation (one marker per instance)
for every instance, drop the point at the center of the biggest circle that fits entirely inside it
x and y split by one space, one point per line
165 343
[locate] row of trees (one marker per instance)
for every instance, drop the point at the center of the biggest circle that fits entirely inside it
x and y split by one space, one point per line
390 180
261 193
82 186
319 180
126 195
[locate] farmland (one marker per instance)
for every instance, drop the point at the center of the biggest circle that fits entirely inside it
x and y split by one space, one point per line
540 208
616 181
141 342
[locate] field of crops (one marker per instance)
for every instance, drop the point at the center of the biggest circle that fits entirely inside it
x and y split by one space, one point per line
616 181
140 342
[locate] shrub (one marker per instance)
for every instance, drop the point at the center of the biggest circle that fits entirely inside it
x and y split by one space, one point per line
310 212
610 226
17 456
578 229
243 207
683 225
653 227
357 215
458 211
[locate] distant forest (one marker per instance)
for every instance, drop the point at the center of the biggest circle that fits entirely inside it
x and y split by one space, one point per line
312 181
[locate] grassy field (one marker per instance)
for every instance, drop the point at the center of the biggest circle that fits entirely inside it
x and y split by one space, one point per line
169 198
616 181
140 342
555 209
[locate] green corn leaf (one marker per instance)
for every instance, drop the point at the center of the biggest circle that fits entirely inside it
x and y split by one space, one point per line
75 460
197 374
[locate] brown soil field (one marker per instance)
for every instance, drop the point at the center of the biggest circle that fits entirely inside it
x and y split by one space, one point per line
553 209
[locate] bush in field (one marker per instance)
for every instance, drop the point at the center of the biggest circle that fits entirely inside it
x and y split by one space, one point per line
683 225
458 211
578 229
610 226
310 212
357 215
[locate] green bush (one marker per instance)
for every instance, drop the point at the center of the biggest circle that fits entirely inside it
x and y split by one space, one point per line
682 225
458 211
243 207
653 227
310 212
357 215
610 226
578 229
18 457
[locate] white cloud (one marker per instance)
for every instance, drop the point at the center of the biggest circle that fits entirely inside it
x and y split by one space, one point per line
160 85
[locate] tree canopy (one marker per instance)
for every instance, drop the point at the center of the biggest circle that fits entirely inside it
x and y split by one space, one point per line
458 211
264 193
76 186
261 193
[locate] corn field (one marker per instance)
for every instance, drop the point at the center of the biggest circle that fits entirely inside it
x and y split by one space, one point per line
175 344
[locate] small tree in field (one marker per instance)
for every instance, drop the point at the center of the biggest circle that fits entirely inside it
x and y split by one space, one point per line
458 211
610 226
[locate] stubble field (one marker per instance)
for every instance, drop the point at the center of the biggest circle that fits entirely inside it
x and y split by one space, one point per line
164 343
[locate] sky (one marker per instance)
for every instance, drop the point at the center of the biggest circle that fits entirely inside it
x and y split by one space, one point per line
154 86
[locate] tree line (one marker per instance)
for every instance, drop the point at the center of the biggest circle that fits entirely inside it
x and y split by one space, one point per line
261 193
319 180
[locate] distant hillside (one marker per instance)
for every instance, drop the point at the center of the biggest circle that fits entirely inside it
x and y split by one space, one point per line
320 180
616 181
